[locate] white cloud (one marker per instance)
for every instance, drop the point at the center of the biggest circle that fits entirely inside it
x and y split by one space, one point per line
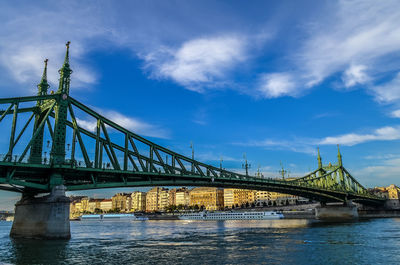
29 35
276 85
386 172
347 36
388 92
354 75
89 125
307 146
133 124
360 31
382 134
211 156
396 113
198 63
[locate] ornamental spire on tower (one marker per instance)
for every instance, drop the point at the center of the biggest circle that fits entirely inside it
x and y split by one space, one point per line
65 73
339 156
319 159
43 86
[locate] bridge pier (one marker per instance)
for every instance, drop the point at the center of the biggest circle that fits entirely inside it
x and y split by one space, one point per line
346 211
44 217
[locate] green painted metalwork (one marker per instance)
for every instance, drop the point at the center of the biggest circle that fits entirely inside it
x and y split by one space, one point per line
36 150
131 160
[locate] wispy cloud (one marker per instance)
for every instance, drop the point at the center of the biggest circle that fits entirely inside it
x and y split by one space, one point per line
387 171
396 113
214 157
388 92
354 34
308 145
198 63
34 34
133 124
382 134
299 145
354 75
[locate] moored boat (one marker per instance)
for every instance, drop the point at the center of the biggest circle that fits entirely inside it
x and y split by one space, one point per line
114 216
234 215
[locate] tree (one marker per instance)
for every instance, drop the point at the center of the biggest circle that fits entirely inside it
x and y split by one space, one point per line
196 207
274 203
287 202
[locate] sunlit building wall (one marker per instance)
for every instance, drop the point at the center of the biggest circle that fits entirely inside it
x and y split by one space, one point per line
106 205
138 201
182 197
119 201
157 199
209 198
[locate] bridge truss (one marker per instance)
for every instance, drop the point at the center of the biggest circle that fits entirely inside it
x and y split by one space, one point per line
53 139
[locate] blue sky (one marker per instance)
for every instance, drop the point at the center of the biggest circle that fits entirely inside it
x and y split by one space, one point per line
274 80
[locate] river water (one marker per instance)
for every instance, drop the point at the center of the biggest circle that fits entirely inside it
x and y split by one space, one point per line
375 241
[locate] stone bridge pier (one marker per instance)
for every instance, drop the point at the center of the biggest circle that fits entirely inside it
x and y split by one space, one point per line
345 211
45 217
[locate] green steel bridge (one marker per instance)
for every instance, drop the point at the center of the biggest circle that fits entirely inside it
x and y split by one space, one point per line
85 150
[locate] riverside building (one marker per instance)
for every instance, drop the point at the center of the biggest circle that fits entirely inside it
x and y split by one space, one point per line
106 205
182 197
119 201
137 201
276 198
238 197
157 199
209 198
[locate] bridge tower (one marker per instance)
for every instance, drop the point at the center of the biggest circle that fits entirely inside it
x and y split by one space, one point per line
331 212
48 216
57 155
320 166
36 151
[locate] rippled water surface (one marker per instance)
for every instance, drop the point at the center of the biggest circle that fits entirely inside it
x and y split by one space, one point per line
375 241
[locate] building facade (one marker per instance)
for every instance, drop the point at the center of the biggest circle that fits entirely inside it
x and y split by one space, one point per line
172 196
182 197
207 198
238 197
119 202
137 202
106 205
276 198
94 205
157 199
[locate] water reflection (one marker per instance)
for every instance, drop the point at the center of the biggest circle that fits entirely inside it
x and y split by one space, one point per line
212 242
30 251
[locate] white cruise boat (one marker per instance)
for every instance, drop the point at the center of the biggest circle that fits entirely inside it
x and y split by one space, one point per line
231 216
113 216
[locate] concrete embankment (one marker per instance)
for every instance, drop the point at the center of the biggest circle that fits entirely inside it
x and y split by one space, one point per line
378 213
299 214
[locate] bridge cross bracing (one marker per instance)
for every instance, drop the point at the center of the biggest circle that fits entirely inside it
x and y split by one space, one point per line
54 139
